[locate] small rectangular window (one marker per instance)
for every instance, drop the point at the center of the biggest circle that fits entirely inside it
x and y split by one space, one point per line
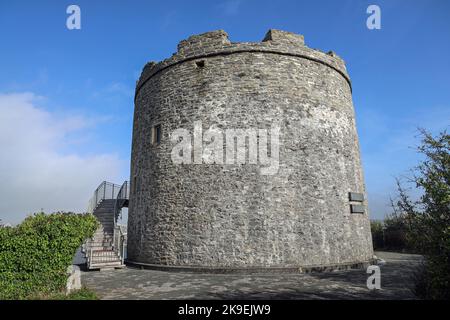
156 134
200 63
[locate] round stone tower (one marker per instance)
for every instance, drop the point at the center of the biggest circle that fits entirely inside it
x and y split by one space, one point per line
246 156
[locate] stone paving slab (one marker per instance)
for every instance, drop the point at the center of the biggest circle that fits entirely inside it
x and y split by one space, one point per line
131 283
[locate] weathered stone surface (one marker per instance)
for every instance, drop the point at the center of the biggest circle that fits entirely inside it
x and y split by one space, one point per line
74 279
231 215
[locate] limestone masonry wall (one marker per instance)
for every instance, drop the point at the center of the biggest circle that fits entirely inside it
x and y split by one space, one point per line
232 216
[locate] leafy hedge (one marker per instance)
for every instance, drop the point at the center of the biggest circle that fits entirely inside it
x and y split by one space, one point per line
34 255
426 221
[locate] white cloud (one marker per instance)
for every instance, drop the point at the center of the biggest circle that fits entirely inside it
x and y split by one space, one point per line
34 172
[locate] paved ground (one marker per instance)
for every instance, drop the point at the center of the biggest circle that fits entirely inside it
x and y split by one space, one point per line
132 283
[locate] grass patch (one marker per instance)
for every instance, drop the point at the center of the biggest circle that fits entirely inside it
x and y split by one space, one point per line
82 294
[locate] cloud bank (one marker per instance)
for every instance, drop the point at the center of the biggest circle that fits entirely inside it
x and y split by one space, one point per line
36 169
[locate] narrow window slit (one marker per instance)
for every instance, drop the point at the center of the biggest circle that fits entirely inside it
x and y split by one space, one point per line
156 134
200 63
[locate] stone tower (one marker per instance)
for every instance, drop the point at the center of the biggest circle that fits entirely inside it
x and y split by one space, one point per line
305 209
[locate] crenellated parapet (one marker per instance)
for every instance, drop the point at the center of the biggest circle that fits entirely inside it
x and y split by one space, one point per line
281 36
217 43
203 43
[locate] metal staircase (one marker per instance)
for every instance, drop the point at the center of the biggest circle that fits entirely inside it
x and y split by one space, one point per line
106 249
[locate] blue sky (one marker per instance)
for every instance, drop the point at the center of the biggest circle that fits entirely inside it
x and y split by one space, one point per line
72 90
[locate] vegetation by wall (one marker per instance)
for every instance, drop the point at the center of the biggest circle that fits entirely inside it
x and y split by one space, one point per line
391 234
423 225
34 255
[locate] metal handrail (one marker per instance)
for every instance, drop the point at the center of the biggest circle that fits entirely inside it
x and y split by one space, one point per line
122 196
119 242
119 193
106 190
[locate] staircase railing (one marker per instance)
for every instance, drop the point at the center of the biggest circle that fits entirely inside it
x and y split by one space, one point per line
123 195
119 236
106 190
120 242
119 193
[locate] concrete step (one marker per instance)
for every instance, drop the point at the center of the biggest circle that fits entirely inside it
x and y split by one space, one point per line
101 239
104 234
104 258
98 265
104 254
107 266
104 237
102 229
106 230
100 244
108 217
108 221
106 226
98 260
104 212
105 206
101 248
108 234
104 215
105 218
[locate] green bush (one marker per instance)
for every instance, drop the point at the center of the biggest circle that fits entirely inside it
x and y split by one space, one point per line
427 219
34 255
